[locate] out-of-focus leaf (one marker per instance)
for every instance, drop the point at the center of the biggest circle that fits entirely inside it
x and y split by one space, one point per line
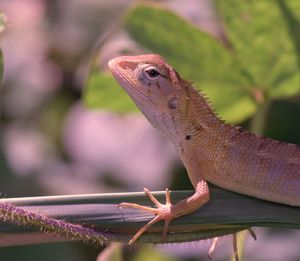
286 86
113 252
235 107
263 58
147 253
222 215
103 91
263 42
197 56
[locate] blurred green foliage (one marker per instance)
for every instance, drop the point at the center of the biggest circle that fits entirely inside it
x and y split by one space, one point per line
260 63
146 253
263 44
102 90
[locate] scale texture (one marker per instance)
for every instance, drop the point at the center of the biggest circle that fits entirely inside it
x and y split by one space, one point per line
210 149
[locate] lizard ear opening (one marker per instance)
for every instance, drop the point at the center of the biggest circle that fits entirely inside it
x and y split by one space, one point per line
172 103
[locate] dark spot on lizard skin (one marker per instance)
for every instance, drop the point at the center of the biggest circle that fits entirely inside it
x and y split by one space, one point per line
188 137
263 160
158 86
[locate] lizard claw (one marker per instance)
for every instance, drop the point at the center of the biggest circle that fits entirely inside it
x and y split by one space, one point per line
161 212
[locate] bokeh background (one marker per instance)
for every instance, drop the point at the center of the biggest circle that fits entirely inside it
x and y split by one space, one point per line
68 128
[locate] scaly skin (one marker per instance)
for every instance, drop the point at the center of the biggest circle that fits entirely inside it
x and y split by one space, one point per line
210 149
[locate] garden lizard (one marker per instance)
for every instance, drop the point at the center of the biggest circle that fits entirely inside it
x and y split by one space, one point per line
211 150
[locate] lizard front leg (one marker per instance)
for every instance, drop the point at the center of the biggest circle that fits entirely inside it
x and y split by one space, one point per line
169 211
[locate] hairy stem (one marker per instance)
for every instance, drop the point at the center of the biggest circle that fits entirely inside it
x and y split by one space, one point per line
17 215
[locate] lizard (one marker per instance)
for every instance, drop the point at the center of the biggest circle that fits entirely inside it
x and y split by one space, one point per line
211 150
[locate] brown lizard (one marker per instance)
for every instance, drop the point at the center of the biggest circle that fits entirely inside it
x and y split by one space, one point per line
210 149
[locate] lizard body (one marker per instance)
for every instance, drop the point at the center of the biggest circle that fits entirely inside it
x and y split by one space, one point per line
210 149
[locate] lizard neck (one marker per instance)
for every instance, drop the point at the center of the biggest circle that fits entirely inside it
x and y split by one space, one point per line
196 118
199 111
199 121
199 137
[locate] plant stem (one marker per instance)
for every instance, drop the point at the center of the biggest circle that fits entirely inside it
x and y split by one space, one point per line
258 122
240 244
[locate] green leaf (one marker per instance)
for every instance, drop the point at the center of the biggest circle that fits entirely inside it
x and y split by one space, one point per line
264 58
263 42
102 91
197 56
222 215
236 107
148 253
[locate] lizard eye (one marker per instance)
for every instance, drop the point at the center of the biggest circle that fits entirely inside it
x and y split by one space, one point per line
151 73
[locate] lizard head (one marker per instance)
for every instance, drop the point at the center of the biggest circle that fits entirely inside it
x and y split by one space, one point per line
154 86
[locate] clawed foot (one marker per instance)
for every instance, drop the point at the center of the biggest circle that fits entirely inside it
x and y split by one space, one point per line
167 213
162 212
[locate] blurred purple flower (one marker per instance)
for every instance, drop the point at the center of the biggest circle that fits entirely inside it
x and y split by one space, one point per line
126 147
59 177
26 150
29 72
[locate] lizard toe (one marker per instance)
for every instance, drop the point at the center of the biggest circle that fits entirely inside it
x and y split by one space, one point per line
161 212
